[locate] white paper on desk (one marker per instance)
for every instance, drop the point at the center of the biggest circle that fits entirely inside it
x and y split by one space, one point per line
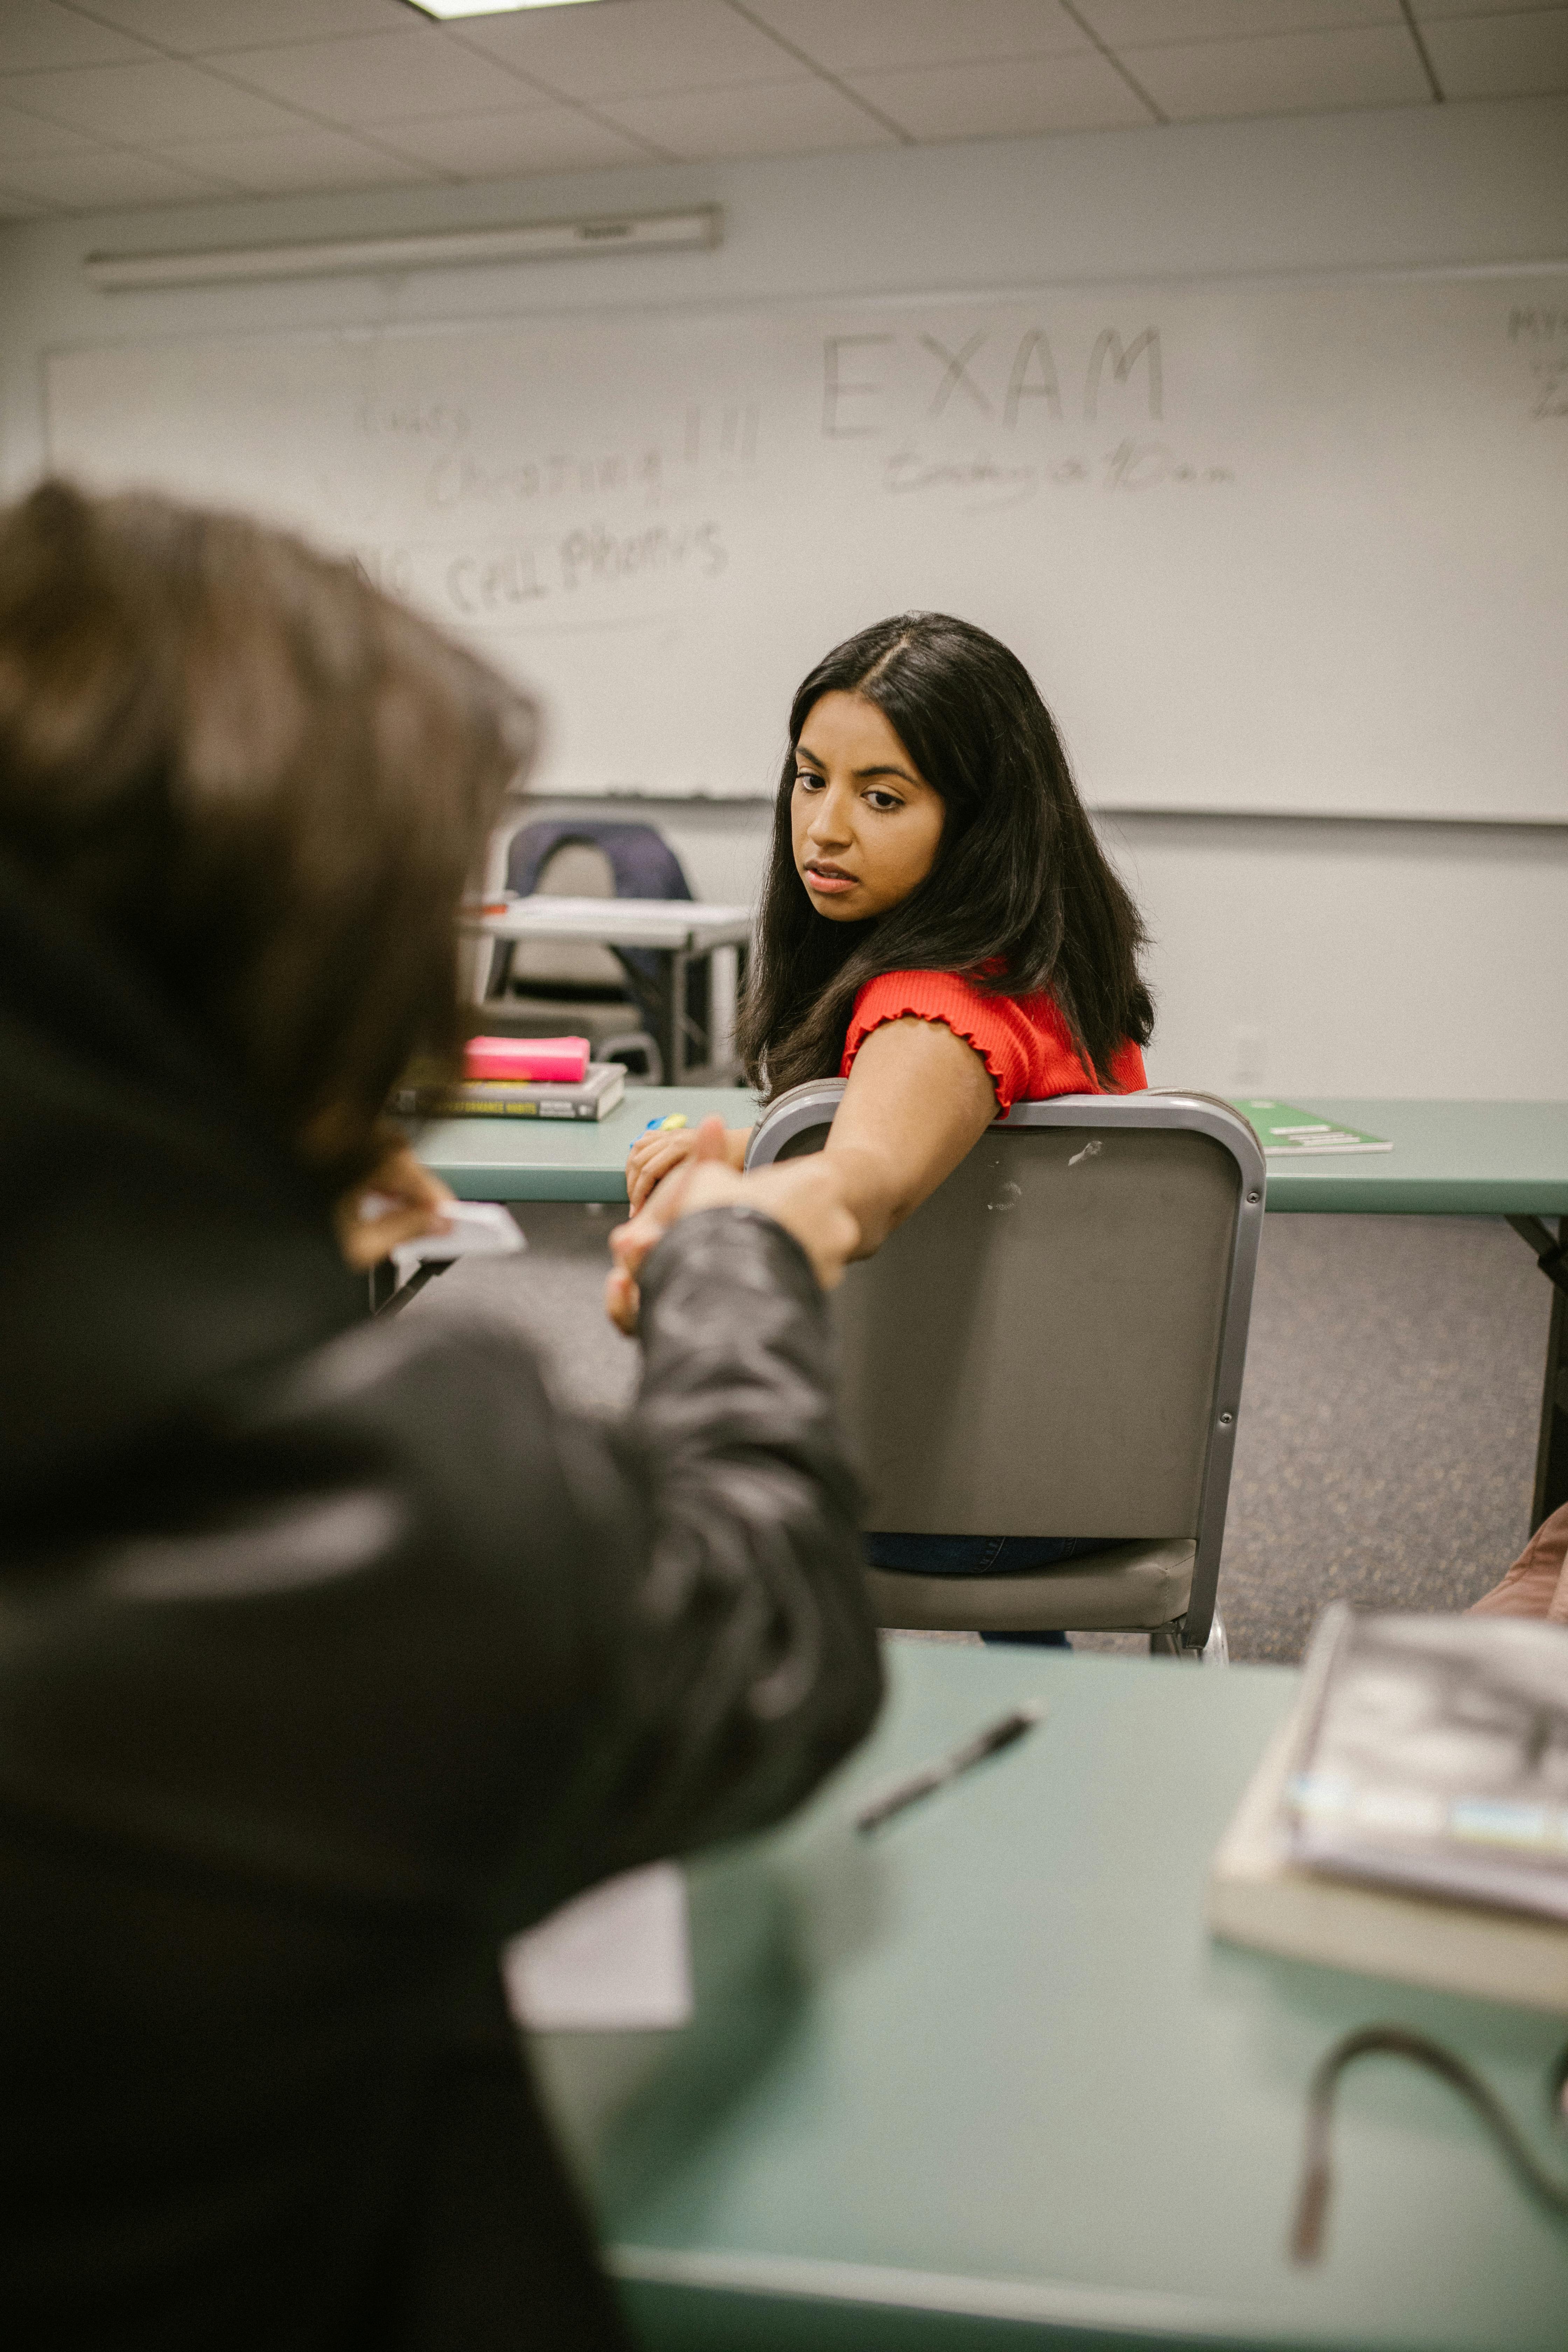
478 1229
618 1960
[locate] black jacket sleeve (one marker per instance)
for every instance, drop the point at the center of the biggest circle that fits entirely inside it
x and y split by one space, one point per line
379 1621
756 1669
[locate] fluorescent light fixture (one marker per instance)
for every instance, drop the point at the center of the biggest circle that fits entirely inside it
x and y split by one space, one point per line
344 256
492 7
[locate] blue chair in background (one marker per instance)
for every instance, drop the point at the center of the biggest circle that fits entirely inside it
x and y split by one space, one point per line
613 996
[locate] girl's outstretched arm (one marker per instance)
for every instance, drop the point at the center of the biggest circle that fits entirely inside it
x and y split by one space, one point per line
918 1100
802 1195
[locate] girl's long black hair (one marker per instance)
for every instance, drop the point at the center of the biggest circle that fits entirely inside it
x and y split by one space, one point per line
1020 898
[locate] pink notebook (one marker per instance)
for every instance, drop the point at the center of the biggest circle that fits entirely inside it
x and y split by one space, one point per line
558 1060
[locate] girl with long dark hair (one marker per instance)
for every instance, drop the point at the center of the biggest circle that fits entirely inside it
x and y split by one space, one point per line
933 870
939 927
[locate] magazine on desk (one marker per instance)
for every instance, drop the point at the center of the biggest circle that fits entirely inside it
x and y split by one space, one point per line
1287 1133
1411 1817
1435 1755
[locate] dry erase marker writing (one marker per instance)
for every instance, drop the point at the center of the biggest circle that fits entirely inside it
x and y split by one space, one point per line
925 1784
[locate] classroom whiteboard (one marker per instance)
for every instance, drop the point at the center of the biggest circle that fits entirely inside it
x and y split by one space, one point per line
1263 547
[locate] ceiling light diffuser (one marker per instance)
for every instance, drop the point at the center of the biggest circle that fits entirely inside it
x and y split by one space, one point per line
493 8
123 273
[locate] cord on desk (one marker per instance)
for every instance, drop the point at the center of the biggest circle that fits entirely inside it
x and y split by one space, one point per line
1393 2041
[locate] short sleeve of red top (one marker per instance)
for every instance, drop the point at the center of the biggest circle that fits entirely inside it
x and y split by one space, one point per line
1023 1040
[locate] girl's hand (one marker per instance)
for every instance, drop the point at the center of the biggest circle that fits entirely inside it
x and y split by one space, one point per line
803 1195
697 1176
654 1157
404 1201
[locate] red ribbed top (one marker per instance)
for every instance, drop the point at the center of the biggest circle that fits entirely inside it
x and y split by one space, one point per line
1022 1040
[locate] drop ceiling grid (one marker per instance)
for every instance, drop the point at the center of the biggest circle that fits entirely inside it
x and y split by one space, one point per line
117 103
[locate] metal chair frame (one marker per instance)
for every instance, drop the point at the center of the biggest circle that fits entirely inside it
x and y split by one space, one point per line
808 1110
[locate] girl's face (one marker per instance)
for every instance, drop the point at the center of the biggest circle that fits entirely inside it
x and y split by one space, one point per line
864 822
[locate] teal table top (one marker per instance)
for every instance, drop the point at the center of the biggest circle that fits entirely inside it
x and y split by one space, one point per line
1465 1158
564 1159
983 2079
1459 1159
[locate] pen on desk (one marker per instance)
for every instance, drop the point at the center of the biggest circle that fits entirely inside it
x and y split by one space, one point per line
932 1777
677 1118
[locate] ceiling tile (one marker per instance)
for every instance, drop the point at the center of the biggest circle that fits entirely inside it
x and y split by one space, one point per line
507 146
1500 57
197 26
1126 24
15 207
1004 101
25 134
868 36
377 79
781 118
631 47
1290 73
106 177
35 33
298 160
145 104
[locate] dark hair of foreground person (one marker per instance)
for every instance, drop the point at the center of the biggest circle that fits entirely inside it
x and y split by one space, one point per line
331 1653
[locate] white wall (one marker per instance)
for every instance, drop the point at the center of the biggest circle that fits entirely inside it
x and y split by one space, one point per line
1333 957
1354 960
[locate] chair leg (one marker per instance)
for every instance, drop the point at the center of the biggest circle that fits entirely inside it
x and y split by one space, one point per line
1165 1642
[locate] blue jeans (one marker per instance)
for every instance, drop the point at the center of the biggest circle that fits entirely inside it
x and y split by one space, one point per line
982 1556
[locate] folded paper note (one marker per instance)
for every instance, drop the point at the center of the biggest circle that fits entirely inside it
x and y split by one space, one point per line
616 1960
478 1229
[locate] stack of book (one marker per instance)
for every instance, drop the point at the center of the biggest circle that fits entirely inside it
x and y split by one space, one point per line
514 1077
1411 1820
594 1096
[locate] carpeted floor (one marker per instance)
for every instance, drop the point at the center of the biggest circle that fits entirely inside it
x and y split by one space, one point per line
1388 1435
1386 1446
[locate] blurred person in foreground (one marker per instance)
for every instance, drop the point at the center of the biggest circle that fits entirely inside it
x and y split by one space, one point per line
331 1653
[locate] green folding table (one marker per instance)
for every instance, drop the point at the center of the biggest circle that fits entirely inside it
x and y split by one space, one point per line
1467 1160
981 2080
1449 1159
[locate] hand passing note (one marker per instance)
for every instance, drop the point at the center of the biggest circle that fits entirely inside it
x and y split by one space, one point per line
802 1195
399 1200
697 1175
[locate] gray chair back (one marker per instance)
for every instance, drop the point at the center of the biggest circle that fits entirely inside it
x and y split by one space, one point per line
578 869
607 1012
1053 1345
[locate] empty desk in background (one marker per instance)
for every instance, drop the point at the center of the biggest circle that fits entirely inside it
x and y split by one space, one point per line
981 2080
1459 1160
676 930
